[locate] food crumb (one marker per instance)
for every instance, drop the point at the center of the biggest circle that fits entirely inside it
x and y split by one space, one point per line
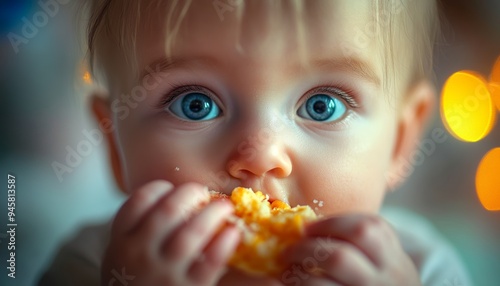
319 203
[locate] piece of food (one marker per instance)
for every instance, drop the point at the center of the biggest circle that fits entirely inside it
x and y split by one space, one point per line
267 229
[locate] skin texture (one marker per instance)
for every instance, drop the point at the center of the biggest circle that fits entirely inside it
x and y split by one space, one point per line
259 140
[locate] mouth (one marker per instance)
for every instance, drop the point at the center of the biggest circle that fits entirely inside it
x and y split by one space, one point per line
215 195
271 189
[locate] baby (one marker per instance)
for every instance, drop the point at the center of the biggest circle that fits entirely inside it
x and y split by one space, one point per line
307 101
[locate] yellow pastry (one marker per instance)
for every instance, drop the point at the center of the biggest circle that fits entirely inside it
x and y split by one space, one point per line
267 229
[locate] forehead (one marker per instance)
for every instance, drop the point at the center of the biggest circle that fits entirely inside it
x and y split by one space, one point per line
255 32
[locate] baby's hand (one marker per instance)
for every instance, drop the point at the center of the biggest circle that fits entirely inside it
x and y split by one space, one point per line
350 250
161 237
236 277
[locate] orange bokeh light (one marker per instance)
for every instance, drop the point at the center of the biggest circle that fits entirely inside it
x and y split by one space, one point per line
495 93
495 83
468 111
87 78
488 180
495 73
467 108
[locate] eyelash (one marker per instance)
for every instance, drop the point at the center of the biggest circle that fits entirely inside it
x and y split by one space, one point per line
178 90
340 90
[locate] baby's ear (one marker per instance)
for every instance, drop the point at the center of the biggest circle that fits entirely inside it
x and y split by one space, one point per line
101 110
415 111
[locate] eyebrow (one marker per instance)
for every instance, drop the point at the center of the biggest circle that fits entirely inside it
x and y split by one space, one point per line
165 64
351 65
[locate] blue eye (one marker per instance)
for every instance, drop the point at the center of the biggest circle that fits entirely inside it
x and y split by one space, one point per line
195 106
322 107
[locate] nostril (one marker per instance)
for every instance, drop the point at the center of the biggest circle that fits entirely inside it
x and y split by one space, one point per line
272 161
282 171
244 174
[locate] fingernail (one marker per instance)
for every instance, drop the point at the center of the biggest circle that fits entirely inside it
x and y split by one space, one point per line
161 186
225 206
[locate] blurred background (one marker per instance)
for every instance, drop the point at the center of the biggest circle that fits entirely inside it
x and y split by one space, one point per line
43 112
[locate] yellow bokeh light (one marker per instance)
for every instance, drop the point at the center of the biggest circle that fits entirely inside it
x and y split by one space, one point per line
467 108
488 180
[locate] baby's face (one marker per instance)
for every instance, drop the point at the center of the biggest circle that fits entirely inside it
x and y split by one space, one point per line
236 106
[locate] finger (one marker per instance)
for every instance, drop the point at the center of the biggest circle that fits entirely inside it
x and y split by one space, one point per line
319 281
169 213
138 204
371 234
335 259
190 239
232 275
212 265
297 275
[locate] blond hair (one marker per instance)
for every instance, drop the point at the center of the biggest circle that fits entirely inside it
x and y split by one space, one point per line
407 29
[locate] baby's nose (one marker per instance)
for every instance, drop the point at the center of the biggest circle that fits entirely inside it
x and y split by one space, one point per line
263 153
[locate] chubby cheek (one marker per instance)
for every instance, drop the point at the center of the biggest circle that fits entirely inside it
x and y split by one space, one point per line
347 176
148 155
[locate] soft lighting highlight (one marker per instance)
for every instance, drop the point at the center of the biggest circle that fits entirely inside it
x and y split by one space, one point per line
87 78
